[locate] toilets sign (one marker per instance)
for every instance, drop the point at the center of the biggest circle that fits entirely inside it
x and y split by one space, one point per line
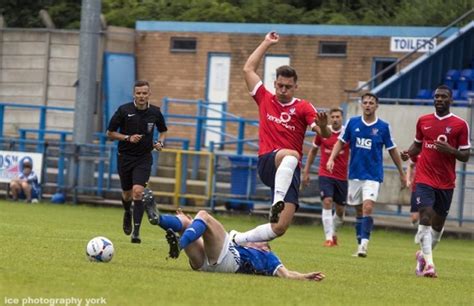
408 44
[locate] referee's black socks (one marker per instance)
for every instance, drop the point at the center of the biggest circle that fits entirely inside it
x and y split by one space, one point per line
138 210
126 205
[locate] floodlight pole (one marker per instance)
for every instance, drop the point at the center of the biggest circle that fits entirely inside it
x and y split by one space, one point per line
86 91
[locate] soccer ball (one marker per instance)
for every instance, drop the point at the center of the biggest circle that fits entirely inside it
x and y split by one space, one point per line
100 249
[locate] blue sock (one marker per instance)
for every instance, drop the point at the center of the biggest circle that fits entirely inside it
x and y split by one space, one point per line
170 221
358 226
367 225
192 233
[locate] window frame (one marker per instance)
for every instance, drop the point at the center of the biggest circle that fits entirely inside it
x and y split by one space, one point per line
333 43
174 39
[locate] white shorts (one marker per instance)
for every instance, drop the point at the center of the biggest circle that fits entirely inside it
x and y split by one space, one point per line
359 191
228 259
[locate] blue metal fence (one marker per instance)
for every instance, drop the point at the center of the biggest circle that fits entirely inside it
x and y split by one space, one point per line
201 122
43 109
58 153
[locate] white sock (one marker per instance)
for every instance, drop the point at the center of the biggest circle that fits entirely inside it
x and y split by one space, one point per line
327 223
283 177
337 222
259 234
435 237
364 243
425 240
418 234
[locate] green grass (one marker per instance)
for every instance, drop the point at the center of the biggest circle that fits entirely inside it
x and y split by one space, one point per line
43 255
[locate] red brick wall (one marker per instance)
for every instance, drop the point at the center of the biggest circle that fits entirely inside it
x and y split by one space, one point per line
322 80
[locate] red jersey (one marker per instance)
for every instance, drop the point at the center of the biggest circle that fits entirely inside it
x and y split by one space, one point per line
282 126
434 168
340 163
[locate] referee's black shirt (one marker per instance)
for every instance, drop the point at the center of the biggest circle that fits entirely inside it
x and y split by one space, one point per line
129 121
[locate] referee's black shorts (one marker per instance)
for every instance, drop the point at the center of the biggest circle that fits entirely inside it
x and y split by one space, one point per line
134 170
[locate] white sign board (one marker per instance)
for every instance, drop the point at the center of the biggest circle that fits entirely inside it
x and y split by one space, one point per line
10 164
408 44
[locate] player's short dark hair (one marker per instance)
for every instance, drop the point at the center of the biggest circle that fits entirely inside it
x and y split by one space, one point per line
287 72
141 83
369 94
336 109
446 87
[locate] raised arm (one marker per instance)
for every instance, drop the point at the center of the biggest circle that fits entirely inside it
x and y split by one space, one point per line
312 276
250 67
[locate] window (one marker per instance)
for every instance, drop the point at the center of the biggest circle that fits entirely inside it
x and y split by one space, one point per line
183 44
379 64
332 48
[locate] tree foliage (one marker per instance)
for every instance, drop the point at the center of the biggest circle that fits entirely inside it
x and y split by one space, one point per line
24 15
438 12
66 13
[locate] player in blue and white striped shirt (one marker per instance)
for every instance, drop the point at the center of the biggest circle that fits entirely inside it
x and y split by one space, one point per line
367 136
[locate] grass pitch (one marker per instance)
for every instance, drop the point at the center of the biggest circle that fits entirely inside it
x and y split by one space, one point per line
43 256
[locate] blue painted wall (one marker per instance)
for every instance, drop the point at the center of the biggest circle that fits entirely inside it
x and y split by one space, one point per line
119 77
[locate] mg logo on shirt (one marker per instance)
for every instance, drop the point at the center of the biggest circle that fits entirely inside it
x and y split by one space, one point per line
364 143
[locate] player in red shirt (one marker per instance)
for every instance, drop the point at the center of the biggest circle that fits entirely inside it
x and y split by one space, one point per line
332 185
442 138
283 123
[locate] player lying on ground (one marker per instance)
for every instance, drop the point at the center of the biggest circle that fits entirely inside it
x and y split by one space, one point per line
210 249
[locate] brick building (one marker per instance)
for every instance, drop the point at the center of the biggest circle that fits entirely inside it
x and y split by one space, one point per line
177 58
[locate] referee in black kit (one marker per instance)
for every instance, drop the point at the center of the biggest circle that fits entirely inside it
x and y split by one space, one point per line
132 125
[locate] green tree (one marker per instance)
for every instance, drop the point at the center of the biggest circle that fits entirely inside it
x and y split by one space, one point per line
126 12
218 11
25 15
271 11
66 13
432 12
